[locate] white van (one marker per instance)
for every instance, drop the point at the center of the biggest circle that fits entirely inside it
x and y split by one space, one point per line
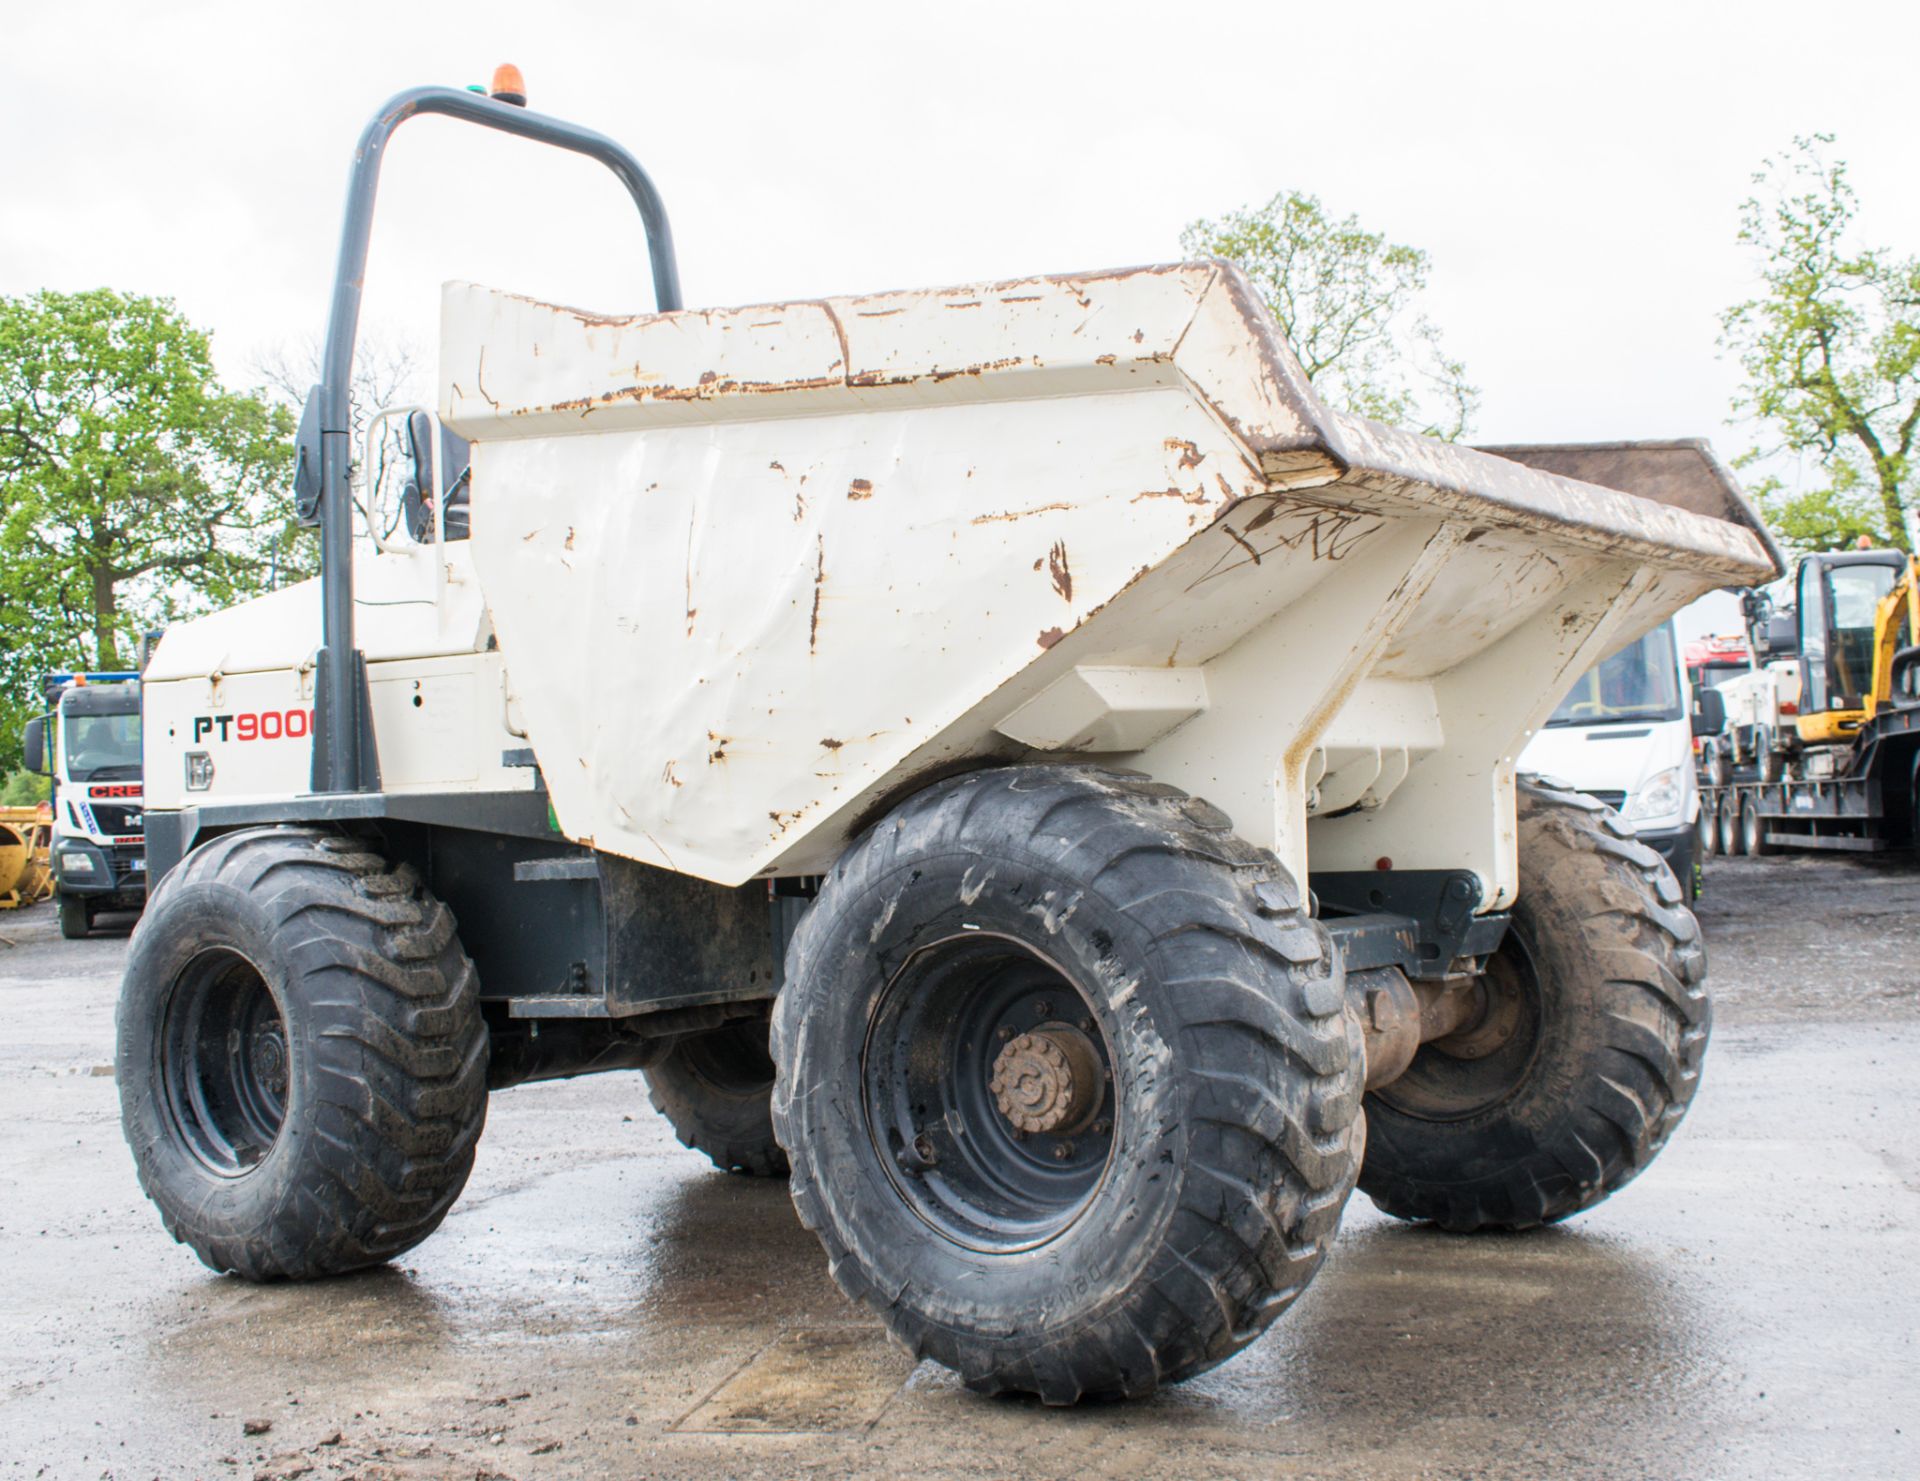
1623 734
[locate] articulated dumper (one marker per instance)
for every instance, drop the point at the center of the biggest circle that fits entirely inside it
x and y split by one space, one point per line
815 712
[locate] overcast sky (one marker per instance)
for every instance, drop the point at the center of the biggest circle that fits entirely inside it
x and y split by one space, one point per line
1575 171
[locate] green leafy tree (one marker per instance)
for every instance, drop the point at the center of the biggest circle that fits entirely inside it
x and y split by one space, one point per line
134 488
1347 301
1831 354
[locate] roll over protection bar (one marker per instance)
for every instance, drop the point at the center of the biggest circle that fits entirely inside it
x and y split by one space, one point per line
343 753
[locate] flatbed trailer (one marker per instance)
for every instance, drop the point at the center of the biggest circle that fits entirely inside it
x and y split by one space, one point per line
1866 806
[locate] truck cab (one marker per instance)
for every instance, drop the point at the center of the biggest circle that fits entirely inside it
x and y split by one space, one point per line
1837 598
1622 734
89 742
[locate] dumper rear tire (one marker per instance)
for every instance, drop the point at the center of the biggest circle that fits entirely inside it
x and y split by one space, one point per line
302 1061
716 1091
1590 1052
1067 1082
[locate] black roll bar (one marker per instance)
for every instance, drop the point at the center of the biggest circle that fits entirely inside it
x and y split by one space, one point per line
343 757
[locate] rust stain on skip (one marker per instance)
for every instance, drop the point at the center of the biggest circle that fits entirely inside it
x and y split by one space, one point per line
1197 496
1059 572
1190 456
1013 514
1050 636
860 488
819 580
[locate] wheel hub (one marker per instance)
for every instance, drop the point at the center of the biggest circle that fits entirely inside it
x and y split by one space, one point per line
270 1061
1048 1080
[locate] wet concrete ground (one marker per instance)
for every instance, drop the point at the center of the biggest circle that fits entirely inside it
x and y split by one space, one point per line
600 1302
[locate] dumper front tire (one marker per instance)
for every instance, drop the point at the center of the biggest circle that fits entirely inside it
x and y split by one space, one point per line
1589 1053
716 1091
1066 1080
302 1061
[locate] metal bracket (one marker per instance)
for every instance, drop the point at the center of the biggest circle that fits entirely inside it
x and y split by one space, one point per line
1419 920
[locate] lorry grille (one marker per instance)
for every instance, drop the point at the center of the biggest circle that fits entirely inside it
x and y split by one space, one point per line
116 819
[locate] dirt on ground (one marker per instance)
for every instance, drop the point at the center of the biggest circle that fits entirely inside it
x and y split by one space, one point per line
601 1302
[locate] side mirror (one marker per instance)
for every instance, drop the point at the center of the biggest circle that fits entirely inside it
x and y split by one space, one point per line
1709 712
1783 634
33 745
420 449
419 491
306 462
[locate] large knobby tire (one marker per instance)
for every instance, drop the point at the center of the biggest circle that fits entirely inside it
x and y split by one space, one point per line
302 1061
1590 1052
1062 942
716 1090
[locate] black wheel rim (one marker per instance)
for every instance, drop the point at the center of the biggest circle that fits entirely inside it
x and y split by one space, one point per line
224 1062
1488 1060
959 1012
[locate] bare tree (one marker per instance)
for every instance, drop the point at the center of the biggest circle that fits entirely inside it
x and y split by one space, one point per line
387 371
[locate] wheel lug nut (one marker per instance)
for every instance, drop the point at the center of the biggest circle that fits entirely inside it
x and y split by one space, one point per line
1062 1151
1043 1009
1086 1025
1005 1032
1101 1128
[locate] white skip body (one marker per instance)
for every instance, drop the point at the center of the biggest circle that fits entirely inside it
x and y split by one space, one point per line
767 565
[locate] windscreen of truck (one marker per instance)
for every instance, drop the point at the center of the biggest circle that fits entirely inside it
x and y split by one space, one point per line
1640 682
1713 675
102 737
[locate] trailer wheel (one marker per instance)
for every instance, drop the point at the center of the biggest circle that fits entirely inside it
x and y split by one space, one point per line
76 917
1727 821
302 1062
1715 751
1067 1082
1753 832
1706 827
716 1091
1766 755
1587 1057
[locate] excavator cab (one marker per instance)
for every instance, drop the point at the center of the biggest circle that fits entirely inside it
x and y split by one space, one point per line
1839 595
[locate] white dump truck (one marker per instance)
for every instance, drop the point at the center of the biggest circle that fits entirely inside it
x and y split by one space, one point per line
817 717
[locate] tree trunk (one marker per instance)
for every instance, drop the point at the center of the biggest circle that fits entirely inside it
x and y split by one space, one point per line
1895 512
106 627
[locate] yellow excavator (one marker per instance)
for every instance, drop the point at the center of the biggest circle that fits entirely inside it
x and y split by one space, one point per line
1848 775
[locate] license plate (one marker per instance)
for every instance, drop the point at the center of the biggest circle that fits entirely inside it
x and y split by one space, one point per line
138 866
